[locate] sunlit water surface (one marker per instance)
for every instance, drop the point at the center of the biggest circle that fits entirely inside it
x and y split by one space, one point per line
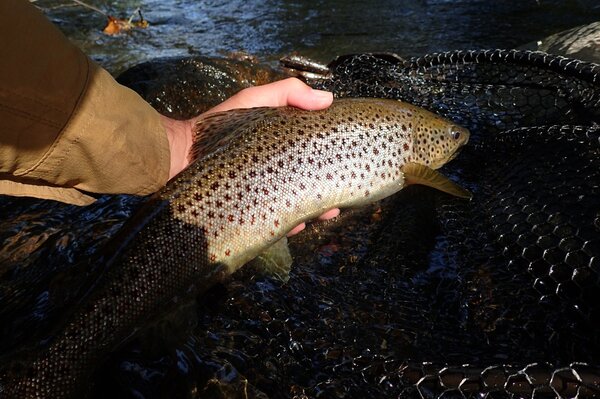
319 29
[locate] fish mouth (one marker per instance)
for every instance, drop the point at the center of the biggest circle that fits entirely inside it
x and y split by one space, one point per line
452 156
455 153
443 161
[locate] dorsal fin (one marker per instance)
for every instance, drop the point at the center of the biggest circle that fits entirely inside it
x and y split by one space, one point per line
215 131
415 173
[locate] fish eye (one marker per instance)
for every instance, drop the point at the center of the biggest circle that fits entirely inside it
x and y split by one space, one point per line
455 134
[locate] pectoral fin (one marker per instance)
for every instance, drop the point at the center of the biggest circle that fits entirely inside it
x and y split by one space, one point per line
275 261
415 173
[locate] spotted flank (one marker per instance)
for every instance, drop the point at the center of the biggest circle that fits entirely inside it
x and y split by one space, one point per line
261 171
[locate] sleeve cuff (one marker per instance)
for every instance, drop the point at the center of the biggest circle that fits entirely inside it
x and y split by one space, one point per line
114 143
67 195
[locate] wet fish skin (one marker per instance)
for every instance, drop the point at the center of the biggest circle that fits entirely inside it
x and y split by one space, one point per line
268 169
349 155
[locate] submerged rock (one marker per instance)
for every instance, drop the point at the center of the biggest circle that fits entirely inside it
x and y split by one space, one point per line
581 42
184 87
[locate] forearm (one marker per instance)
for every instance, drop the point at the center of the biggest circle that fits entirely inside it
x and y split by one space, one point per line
65 124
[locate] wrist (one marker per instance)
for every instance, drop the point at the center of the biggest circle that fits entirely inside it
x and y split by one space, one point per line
179 135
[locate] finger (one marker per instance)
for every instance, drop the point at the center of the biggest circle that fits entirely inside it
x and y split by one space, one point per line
330 214
298 94
296 229
289 91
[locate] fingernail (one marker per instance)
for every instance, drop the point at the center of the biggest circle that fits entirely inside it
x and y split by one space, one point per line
322 94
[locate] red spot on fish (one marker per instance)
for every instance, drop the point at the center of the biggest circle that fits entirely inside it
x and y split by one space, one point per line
230 218
276 223
405 146
213 257
228 252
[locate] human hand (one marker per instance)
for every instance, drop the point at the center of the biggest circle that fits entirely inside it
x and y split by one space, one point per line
292 92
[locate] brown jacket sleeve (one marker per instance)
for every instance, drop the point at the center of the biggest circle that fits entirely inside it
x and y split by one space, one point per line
66 126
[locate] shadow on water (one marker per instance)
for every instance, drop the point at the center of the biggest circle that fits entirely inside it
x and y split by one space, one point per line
42 241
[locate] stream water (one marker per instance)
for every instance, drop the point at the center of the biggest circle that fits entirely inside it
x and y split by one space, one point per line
319 29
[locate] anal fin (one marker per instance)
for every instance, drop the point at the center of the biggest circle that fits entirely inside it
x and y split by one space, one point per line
275 261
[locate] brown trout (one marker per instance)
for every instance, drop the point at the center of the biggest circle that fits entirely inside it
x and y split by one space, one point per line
259 172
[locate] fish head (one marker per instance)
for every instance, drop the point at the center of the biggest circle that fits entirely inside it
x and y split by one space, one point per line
437 141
